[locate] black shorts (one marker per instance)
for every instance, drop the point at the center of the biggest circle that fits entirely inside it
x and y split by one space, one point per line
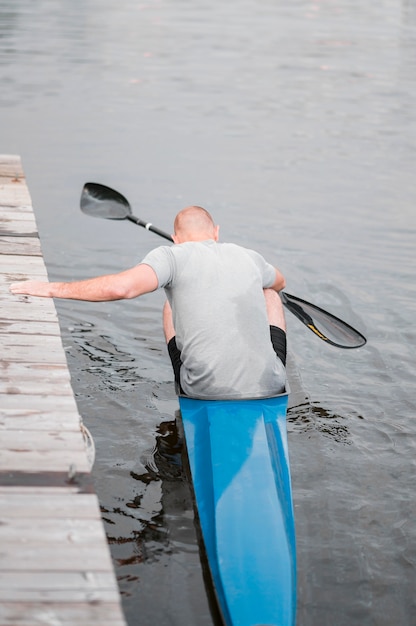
277 336
175 357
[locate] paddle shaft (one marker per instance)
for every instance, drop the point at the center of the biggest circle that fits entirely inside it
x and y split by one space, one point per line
149 226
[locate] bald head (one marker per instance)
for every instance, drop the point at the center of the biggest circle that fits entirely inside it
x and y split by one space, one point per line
194 224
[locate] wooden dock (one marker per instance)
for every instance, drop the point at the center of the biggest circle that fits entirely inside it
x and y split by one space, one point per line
55 564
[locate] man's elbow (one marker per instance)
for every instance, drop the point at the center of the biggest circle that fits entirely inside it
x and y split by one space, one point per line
125 292
120 291
130 291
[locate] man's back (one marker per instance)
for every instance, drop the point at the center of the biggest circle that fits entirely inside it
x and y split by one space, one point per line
219 314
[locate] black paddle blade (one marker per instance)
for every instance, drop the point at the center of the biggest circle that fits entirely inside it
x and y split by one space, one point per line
101 201
325 325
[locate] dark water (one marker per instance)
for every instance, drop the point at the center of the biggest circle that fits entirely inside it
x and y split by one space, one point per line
294 123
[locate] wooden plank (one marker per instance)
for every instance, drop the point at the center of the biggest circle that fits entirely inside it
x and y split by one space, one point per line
68 488
47 557
97 611
28 441
46 404
38 420
35 327
21 221
13 188
52 595
19 268
32 354
47 482
19 310
14 193
12 179
82 579
32 349
43 460
11 166
57 531
25 210
21 226
71 506
34 379
27 246
34 386
16 340
67 586
16 214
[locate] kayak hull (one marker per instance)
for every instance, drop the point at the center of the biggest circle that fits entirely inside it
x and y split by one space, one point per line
239 464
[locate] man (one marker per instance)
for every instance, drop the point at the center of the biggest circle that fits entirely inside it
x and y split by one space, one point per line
223 319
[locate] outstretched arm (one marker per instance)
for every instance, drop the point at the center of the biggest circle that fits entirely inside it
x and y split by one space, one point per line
128 284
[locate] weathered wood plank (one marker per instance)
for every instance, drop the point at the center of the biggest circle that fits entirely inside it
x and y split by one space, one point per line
71 506
11 161
27 246
34 378
29 441
11 166
47 557
20 215
44 404
68 488
13 189
34 386
32 349
17 213
12 179
24 327
55 531
43 460
38 420
22 311
14 193
75 585
20 222
50 342
98 611
18 228
15 267
32 354
48 594
26 210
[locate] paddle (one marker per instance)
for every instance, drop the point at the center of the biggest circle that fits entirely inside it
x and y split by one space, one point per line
101 201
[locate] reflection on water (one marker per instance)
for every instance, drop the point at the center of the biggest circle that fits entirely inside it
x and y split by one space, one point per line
307 417
146 510
113 368
152 526
165 460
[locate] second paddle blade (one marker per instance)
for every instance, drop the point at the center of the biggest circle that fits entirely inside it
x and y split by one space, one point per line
101 201
326 326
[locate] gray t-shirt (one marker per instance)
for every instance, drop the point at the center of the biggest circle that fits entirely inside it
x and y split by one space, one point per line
219 314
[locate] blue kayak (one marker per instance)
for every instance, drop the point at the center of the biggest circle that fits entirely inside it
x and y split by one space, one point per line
238 458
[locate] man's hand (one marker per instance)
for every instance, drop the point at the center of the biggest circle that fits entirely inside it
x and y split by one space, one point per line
31 288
